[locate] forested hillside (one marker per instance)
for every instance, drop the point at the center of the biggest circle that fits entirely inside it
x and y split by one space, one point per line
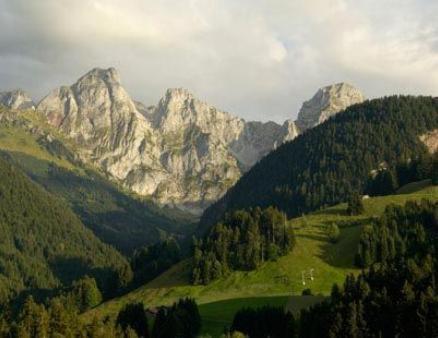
330 162
113 215
396 297
44 245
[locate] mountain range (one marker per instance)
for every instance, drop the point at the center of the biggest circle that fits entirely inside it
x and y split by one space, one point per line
182 151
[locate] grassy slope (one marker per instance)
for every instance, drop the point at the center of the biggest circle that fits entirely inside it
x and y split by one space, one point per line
331 262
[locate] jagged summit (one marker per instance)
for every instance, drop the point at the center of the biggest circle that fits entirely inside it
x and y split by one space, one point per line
327 102
181 151
16 99
180 93
101 74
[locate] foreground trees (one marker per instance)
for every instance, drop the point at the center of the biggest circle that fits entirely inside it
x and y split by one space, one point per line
264 322
243 241
398 296
400 231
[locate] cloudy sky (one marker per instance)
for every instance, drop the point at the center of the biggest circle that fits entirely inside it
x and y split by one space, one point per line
258 59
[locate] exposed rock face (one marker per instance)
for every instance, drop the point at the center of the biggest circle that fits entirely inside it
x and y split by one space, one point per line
182 151
327 102
430 140
16 99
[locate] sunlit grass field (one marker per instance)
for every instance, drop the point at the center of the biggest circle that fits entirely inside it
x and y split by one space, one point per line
274 282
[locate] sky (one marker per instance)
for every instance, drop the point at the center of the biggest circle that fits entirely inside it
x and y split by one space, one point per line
255 59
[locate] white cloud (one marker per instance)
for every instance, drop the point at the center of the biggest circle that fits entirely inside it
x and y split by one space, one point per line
257 58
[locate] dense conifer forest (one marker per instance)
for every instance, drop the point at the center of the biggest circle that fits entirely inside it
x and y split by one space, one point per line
328 163
243 241
45 247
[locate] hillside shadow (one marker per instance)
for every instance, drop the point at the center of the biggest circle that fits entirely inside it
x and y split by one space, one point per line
342 253
114 216
70 269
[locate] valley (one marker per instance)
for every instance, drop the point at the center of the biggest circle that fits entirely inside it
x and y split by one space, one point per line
180 215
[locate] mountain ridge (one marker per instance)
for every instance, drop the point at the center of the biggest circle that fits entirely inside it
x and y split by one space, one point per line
336 157
182 151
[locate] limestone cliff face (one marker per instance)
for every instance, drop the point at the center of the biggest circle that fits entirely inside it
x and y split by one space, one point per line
327 102
430 140
182 151
16 99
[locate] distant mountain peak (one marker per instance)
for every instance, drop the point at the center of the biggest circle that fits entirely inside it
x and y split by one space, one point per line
16 99
109 74
178 93
326 102
183 150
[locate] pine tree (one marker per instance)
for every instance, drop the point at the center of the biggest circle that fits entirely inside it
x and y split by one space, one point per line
134 316
333 232
355 205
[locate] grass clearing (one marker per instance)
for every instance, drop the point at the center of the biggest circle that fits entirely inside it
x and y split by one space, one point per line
24 145
330 262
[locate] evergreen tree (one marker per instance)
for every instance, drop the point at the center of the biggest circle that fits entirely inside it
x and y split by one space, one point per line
333 232
85 293
134 316
355 205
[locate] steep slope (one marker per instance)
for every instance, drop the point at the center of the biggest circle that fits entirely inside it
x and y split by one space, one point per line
16 99
116 217
330 262
43 244
335 158
182 151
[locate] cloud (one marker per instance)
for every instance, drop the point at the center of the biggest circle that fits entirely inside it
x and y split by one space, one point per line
256 58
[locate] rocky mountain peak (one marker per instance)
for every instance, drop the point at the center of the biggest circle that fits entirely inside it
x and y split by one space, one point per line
327 102
109 75
178 94
16 99
182 151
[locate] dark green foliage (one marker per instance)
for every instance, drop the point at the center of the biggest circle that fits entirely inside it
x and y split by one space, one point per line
148 262
243 241
400 231
396 297
329 162
181 320
56 319
43 244
115 217
264 322
85 293
118 219
134 316
383 183
333 232
307 292
33 320
434 168
355 205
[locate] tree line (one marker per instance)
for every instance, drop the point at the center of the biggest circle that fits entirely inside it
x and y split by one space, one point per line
400 231
242 241
60 318
396 297
386 180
